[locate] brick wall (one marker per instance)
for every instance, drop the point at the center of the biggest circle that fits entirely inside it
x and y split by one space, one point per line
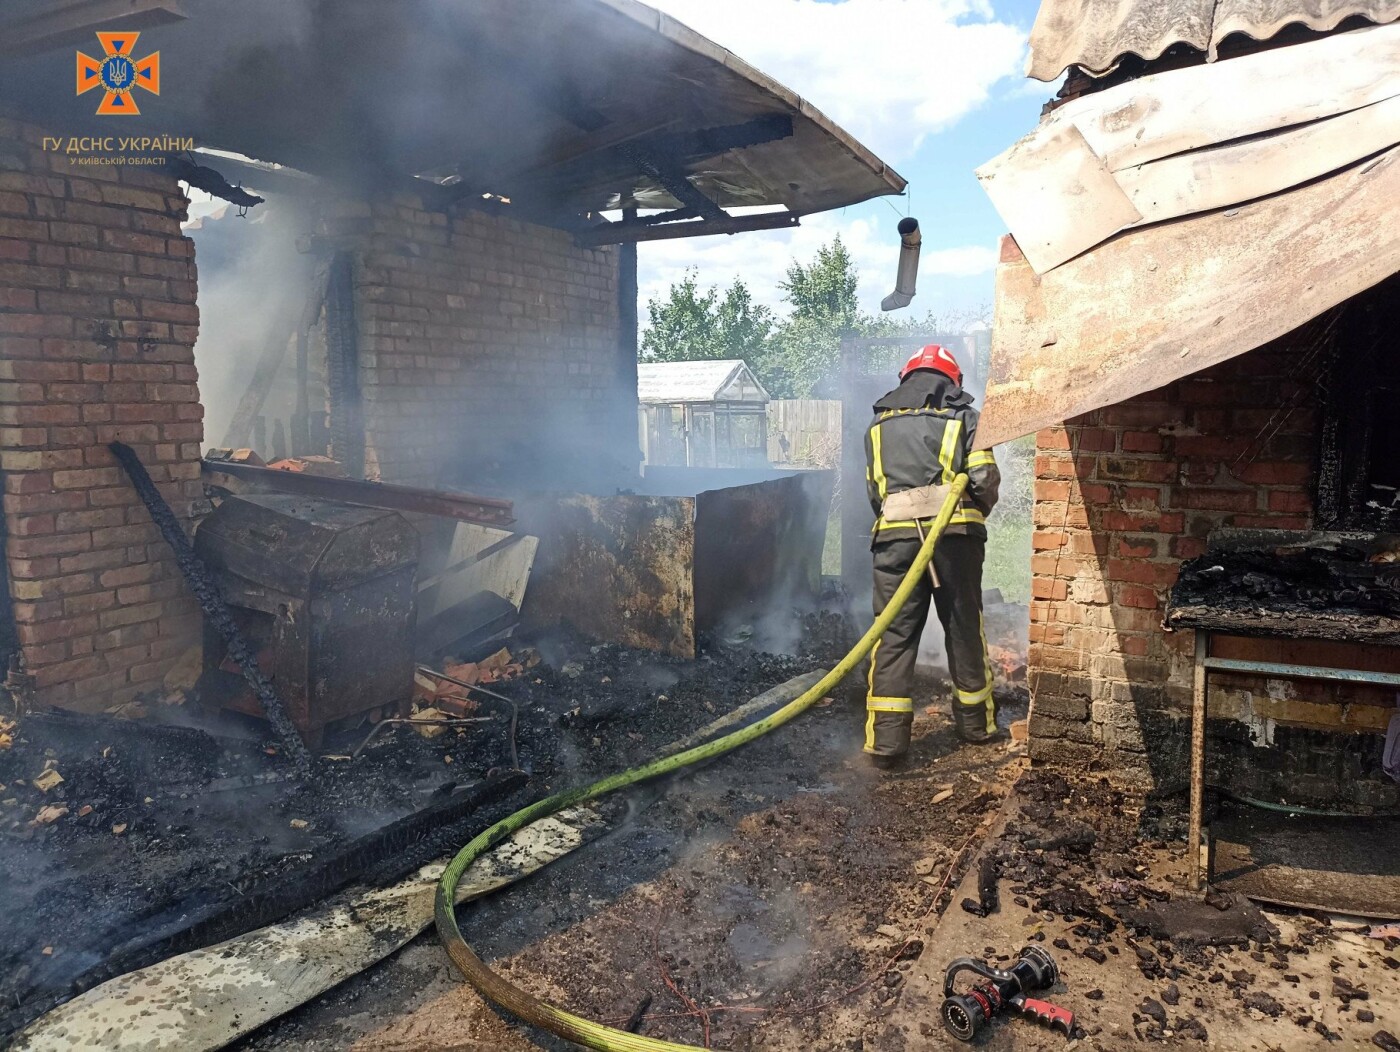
1122 496
97 328
488 348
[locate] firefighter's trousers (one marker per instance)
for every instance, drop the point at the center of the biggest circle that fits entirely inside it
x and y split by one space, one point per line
958 602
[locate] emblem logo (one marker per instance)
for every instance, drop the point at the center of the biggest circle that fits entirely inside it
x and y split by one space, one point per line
117 73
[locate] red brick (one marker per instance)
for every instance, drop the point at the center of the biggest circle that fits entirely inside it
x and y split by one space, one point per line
19 300
186 313
91 603
17 504
1133 646
1142 442
1141 571
1137 547
1143 521
1137 596
1275 474
98 560
30 525
142 372
38 547
87 478
68 671
1049 588
1188 547
127 656
1216 499
63 628
32 613
1290 501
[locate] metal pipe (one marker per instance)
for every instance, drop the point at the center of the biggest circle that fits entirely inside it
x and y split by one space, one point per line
1198 759
910 242
374 733
514 707
1290 671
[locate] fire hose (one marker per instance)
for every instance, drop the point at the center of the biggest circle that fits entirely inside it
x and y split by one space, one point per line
525 1005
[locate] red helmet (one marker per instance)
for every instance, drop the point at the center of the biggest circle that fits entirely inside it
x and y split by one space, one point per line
934 357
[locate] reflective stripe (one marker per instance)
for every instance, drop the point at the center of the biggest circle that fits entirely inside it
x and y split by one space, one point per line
889 704
948 453
982 458
965 516
877 465
870 732
921 411
976 697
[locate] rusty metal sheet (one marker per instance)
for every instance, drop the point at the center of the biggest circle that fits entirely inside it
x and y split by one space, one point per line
465 507
1097 34
1162 302
617 569
758 548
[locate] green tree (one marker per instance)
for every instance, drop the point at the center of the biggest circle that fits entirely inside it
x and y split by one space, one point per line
806 347
691 326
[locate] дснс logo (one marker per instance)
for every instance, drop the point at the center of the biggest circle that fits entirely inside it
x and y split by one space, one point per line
117 72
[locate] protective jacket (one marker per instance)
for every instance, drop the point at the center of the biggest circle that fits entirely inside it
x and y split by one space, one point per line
923 434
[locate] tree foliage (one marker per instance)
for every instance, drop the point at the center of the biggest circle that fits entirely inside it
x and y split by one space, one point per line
795 356
689 326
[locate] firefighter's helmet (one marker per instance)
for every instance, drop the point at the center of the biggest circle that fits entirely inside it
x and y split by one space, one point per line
937 358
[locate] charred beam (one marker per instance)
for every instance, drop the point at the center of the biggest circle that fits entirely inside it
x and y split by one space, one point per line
707 142
629 232
674 180
210 181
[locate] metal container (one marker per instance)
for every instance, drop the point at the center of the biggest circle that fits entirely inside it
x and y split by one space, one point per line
657 570
324 593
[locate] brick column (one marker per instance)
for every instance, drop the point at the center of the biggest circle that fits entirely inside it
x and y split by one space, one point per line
97 328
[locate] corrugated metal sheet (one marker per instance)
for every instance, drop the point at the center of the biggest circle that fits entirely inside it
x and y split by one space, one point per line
1096 34
700 381
1162 302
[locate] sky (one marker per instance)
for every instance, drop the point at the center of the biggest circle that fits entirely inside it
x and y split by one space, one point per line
933 87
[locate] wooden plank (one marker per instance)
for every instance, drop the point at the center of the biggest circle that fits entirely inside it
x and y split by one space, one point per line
1169 113
1165 301
1059 198
1168 145
205 999
1242 171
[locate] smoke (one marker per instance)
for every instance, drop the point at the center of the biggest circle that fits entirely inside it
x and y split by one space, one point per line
252 286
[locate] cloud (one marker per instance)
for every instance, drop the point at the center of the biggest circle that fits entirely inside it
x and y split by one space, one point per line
891 72
761 259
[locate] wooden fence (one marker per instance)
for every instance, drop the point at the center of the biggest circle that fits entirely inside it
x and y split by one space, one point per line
804 432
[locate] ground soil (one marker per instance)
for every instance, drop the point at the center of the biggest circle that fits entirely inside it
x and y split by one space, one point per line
775 900
785 897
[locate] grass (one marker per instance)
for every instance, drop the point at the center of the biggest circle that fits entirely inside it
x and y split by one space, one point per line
1008 565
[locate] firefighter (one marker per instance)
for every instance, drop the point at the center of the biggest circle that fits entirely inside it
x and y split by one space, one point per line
923 435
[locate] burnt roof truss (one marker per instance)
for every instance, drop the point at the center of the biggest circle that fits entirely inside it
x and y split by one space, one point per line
664 158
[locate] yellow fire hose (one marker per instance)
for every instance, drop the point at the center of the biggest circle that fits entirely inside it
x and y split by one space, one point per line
575 1028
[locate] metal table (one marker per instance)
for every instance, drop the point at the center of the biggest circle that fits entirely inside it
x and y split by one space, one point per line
1206 664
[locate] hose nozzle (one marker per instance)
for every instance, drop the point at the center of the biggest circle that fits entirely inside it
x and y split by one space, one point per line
910 241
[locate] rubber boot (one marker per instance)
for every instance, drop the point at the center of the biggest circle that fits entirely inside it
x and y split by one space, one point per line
972 721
